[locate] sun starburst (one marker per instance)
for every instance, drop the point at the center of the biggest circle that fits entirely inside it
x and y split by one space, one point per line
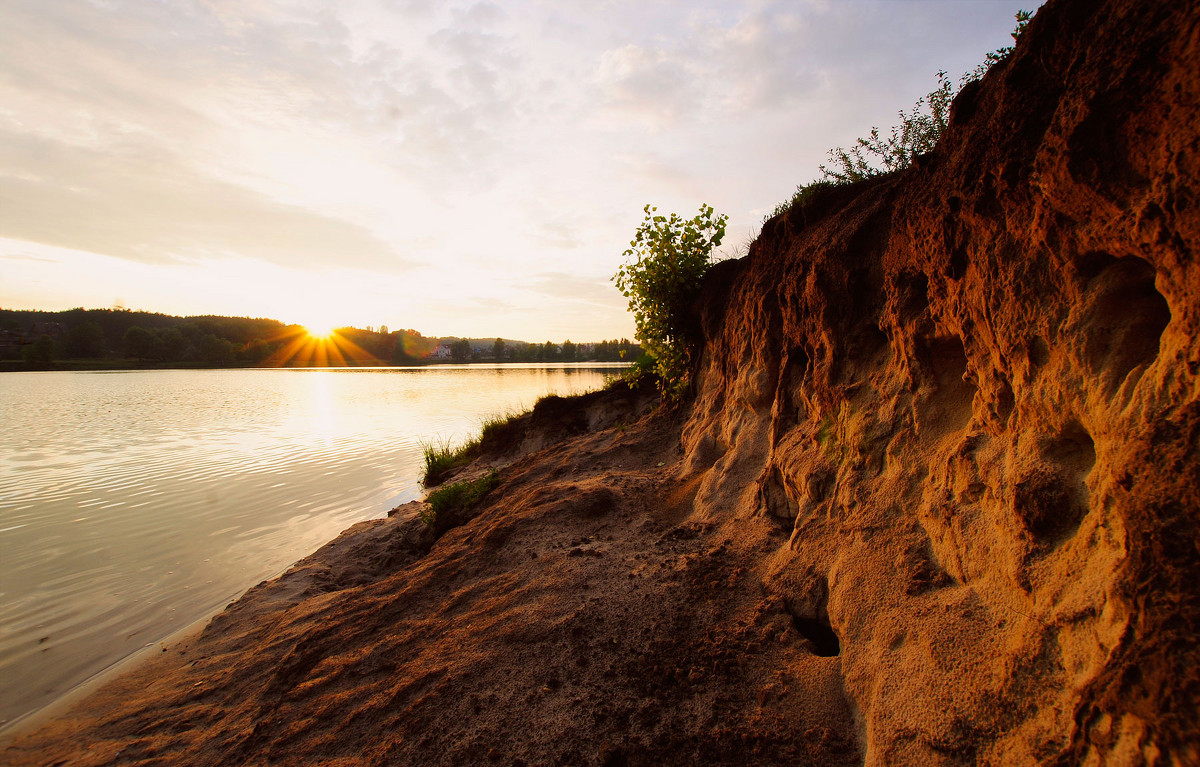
318 344
319 330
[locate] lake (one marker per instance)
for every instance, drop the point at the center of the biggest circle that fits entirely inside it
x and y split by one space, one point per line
134 503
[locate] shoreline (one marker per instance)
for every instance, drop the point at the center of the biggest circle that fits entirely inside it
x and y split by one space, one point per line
342 600
179 638
69 698
11 366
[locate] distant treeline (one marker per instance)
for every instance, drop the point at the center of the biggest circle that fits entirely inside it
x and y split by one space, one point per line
117 337
500 350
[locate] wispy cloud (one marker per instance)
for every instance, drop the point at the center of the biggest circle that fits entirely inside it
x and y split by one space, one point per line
81 198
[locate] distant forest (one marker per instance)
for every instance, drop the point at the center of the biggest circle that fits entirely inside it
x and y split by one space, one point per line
105 338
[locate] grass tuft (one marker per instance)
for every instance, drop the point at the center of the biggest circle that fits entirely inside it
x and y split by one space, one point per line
804 194
441 459
458 496
492 426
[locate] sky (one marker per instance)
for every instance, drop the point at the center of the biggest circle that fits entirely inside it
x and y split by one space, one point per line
459 168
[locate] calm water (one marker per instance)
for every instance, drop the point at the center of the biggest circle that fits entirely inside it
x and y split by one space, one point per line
134 503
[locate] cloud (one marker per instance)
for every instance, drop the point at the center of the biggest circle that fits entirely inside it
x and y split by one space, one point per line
118 142
718 65
650 83
22 257
573 287
510 145
558 235
80 198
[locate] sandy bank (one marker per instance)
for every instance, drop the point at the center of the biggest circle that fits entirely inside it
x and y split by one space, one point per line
580 616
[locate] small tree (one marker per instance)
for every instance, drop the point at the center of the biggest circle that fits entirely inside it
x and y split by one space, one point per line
171 345
214 349
665 265
498 349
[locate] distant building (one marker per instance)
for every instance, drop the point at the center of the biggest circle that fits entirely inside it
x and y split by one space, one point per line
54 329
442 352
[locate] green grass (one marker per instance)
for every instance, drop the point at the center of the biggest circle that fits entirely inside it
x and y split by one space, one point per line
803 195
441 459
458 496
492 425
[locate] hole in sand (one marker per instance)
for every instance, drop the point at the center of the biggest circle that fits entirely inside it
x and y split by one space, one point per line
792 410
1124 319
810 617
949 407
824 641
1052 501
777 499
1005 401
1047 505
958 262
948 359
1093 263
1073 449
912 296
1038 351
870 342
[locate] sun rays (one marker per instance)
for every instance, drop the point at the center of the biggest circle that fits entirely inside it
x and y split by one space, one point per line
320 346
320 331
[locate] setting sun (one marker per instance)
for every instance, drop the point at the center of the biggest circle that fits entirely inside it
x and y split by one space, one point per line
321 344
319 330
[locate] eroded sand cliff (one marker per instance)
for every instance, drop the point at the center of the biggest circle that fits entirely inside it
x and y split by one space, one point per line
967 397
935 500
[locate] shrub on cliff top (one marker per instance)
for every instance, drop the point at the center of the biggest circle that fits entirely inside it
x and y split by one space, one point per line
919 128
1001 53
665 266
917 133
